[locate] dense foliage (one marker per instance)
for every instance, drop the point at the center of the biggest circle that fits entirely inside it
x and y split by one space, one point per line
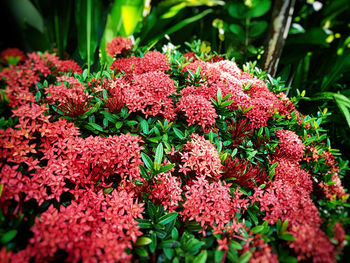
176 157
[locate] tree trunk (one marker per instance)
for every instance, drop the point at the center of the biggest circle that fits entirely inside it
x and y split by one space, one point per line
278 31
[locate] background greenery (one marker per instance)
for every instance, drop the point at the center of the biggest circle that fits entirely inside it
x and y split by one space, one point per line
315 57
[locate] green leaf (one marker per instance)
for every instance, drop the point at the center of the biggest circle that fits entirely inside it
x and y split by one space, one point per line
158 157
132 122
26 13
144 225
147 161
95 126
118 125
253 216
287 259
201 258
169 252
218 255
174 233
153 245
257 28
219 96
8 236
92 110
170 244
166 168
108 190
257 229
142 241
166 219
234 245
244 258
237 10
226 103
259 8
179 133
142 252
88 14
287 237
144 126
173 11
236 29
284 227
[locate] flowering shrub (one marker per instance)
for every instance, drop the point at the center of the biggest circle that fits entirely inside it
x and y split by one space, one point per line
163 159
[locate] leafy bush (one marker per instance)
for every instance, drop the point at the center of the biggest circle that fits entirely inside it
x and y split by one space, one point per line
162 158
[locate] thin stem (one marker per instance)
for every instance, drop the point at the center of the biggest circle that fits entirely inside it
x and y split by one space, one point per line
57 34
88 33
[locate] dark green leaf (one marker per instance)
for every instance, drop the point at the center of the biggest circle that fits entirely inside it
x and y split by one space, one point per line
153 245
8 236
257 28
236 29
167 218
237 10
259 8
170 244
142 252
95 126
234 245
201 258
287 237
244 258
147 161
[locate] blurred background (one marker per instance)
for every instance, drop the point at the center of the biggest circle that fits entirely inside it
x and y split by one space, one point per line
305 43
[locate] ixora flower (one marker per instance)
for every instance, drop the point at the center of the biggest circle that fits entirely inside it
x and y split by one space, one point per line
13 53
118 46
161 158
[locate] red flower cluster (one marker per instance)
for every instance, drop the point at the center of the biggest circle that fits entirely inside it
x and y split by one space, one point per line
311 242
150 93
118 46
198 110
115 97
166 191
201 157
70 96
263 252
290 147
152 61
244 173
6 54
94 228
208 204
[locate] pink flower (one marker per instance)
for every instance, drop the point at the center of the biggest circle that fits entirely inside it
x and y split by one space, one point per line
95 227
118 45
311 243
201 157
70 95
12 52
166 191
198 110
208 204
290 147
150 93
